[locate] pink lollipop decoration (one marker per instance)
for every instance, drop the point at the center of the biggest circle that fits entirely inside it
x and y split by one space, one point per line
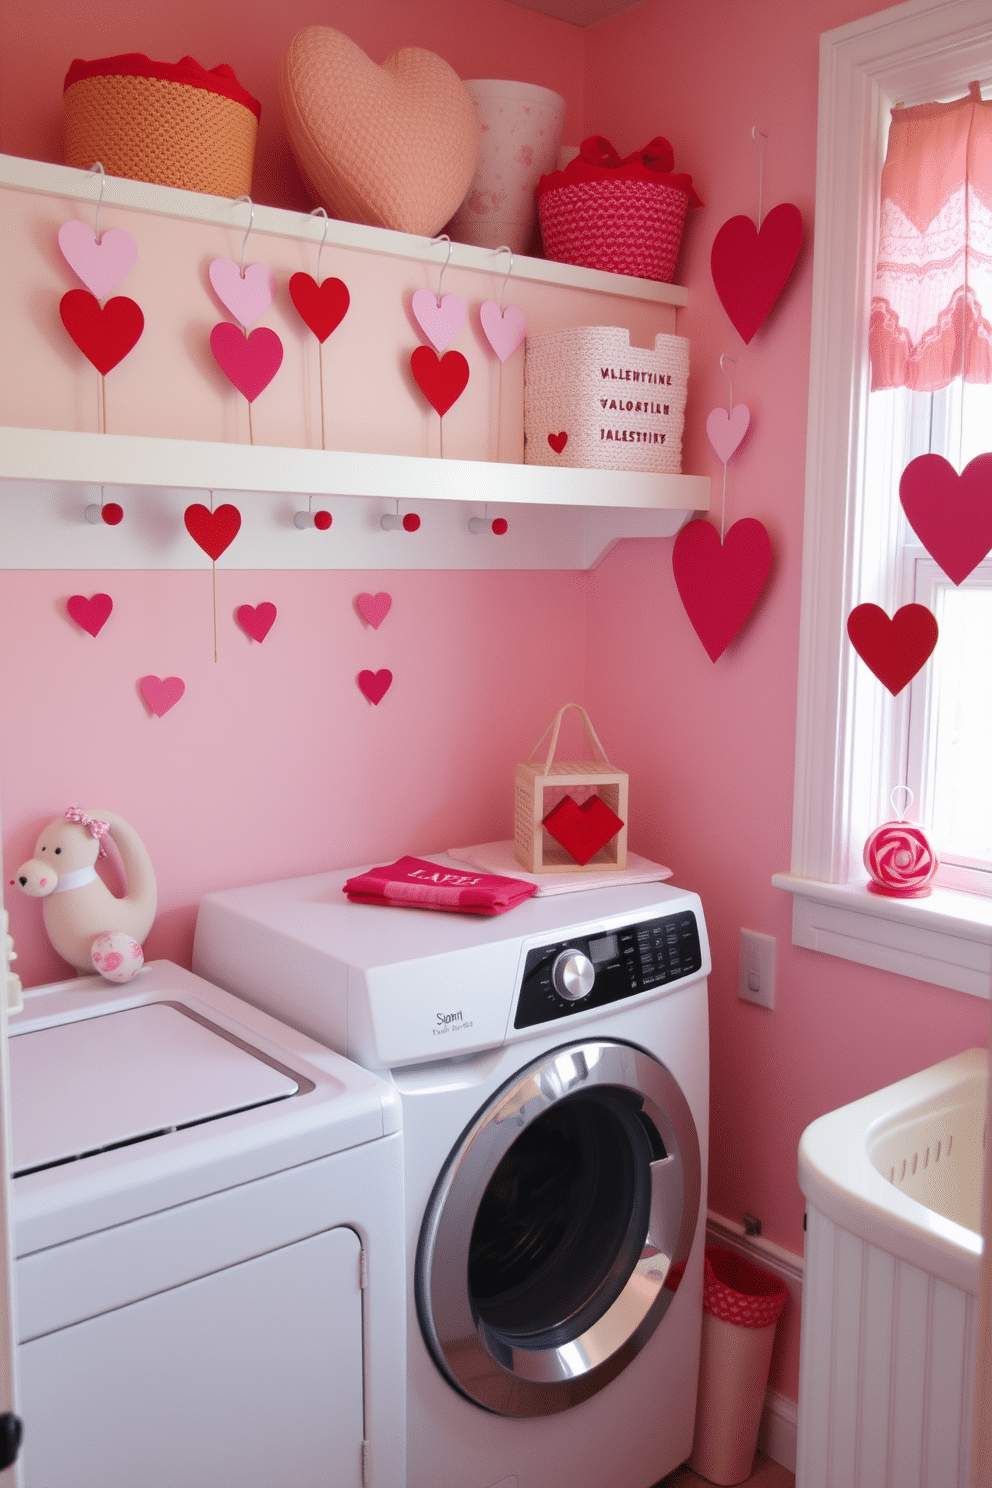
899 858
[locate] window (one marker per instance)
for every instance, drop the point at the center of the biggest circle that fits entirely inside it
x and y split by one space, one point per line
853 742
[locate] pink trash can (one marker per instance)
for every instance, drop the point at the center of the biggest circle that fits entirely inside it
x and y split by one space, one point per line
741 1308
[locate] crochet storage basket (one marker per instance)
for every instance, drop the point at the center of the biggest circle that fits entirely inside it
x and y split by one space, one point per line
625 216
173 124
619 407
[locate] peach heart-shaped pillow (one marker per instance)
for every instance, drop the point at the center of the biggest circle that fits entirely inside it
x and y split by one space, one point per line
392 146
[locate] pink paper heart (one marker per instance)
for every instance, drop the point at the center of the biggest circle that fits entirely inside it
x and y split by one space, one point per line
161 693
726 430
374 608
750 268
719 584
90 614
246 295
440 323
951 514
256 620
102 265
504 329
250 361
375 685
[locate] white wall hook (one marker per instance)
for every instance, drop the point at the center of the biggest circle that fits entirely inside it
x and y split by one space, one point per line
319 519
110 512
497 525
392 521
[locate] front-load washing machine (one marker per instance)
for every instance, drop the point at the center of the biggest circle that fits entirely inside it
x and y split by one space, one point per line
553 1069
207 1213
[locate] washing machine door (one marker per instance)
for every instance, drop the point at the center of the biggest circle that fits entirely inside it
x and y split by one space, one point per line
556 1233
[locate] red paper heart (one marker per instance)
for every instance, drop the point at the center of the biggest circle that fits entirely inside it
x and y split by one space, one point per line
558 441
750 268
256 620
90 614
161 693
322 306
951 514
582 830
442 380
213 531
719 584
893 649
250 362
104 334
375 685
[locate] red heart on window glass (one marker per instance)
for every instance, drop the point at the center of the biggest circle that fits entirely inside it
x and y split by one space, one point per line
750 267
893 649
951 514
582 830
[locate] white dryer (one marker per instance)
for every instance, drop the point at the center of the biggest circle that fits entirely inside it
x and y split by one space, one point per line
207 1211
553 1070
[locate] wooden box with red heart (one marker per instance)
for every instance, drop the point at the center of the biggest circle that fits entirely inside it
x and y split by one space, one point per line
570 816
594 402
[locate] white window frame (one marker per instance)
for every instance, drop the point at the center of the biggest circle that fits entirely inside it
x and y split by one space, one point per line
946 939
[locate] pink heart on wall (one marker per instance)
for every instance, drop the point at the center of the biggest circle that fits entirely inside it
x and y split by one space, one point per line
375 685
90 614
102 265
246 295
322 306
504 329
750 268
161 693
951 514
442 322
893 649
256 620
374 608
719 584
251 361
726 430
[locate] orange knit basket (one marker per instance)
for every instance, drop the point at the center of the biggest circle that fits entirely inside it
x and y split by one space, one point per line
172 124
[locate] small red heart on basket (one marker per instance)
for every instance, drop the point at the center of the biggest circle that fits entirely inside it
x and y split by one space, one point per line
104 334
212 531
442 380
750 267
582 830
720 583
951 514
558 441
90 614
893 649
322 306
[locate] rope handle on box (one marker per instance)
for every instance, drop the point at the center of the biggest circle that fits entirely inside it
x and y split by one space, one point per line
555 725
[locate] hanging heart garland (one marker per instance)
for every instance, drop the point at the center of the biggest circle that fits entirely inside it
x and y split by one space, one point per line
505 330
90 614
256 620
247 293
249 362
720 583
440 320
213 531
321 307
102 264
750 268
951 514
104 333
726 429
442 380
895 649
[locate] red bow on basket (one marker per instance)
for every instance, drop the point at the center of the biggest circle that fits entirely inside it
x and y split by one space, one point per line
597 160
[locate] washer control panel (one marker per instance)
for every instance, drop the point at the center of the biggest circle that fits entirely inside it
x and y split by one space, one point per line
591 971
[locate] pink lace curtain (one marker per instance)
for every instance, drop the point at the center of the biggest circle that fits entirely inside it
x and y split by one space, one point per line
932 303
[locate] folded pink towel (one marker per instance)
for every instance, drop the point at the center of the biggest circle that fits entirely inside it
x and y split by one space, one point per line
415 883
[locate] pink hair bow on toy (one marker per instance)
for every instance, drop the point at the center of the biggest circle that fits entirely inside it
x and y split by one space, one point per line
97 829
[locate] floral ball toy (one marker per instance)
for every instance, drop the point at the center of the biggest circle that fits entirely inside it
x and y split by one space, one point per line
899 858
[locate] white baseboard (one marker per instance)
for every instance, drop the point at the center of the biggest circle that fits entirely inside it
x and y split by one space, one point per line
777 1434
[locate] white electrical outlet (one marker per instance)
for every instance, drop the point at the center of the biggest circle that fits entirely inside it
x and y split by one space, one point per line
756 973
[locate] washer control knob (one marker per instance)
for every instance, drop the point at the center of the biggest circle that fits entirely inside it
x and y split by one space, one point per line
572 975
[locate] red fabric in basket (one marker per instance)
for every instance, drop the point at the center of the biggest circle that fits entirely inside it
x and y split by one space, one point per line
598 161
738 1292
220 80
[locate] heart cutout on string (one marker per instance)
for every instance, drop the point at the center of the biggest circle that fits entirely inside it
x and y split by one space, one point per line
321 306
256 620
442 380
251 361
104 334
558 441
504 329
720 583
582 830
375 685
90 614
161 693
247 295
951 514
442 322
213 531
726 430
374 608
102 265
895 649
750 268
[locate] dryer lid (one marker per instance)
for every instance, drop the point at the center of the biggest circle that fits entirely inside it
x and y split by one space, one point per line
81 1087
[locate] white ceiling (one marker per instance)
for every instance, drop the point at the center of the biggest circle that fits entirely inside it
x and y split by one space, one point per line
578 12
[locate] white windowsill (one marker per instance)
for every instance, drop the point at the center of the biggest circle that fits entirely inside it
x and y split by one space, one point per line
945 939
